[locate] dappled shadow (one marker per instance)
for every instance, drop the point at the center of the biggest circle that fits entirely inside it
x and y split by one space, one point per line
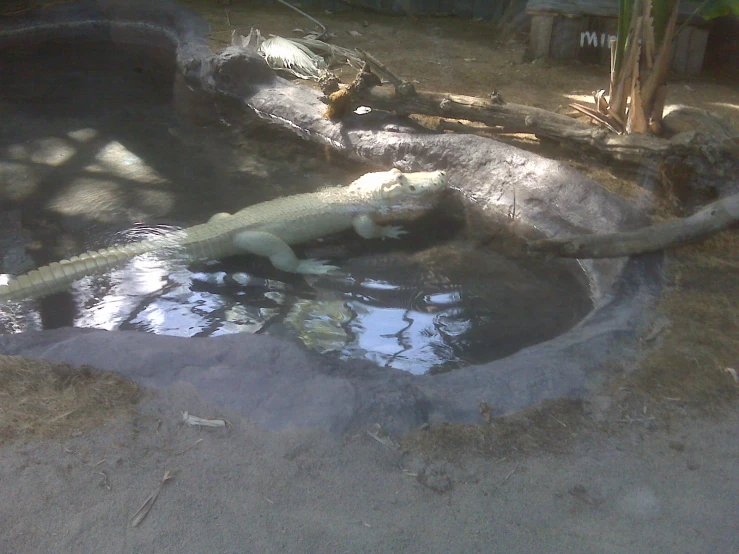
280 386
93 136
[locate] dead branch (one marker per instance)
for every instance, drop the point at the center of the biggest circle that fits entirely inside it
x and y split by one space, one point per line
518 118
340 101
707 221
499 116
402 87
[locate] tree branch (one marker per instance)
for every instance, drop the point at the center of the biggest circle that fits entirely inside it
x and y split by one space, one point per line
707 221
518 118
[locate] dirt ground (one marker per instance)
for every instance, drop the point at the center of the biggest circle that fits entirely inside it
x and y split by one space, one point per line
457 56
648 464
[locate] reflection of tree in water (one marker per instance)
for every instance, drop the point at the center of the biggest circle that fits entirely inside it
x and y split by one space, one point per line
432 310
420 305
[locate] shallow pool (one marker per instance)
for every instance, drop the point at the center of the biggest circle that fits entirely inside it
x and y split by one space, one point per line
101 145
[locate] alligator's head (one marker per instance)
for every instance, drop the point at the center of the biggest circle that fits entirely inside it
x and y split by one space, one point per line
389 187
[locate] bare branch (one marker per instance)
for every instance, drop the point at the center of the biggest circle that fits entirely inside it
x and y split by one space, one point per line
707 221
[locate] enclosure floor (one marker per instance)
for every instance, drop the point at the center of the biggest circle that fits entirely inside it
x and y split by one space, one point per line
244 490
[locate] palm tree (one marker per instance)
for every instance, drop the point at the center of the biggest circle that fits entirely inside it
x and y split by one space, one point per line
640 62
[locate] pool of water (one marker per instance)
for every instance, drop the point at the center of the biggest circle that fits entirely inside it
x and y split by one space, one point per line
101 145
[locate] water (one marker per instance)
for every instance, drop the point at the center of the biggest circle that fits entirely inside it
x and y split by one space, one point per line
93 153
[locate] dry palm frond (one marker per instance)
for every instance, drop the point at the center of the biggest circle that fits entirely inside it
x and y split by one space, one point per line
597 116
284 54
303 57
335 54
253 40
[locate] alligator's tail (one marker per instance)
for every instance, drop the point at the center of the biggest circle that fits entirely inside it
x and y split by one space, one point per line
57 276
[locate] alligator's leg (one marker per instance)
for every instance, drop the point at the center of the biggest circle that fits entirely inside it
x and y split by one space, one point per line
366 228
279 253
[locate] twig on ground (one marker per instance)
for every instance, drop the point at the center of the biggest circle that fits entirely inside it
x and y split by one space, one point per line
580 493
512 209
629 419
142 512
104 482
505 479
359 521
381 436
194 421
62 416
193 445
731 371
384 441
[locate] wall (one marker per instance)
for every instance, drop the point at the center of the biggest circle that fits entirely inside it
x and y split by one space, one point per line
489 10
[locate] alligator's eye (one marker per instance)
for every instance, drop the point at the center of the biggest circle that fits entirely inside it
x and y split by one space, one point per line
412 188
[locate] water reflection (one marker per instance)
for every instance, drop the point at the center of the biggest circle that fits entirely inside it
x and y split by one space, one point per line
434 308
429 310
325 318
404 339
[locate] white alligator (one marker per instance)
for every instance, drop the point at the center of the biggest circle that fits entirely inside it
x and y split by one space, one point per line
266 229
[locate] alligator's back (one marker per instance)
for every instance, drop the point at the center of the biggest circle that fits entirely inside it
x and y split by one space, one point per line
303 217
291 220
294 219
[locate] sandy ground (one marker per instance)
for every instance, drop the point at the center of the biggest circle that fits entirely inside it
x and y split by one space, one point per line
243 490
460 56
649 466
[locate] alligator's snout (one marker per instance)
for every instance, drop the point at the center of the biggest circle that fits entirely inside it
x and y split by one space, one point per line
423 183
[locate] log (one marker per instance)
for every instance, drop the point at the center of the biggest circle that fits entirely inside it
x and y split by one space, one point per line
707 221
519 118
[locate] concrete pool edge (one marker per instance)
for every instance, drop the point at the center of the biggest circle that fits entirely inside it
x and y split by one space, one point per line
277 383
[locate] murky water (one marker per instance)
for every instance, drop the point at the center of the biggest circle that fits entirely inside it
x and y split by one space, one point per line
93 153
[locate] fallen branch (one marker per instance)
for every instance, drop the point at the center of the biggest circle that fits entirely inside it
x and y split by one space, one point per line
518 118
707 221
633 149
403 88
341 101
